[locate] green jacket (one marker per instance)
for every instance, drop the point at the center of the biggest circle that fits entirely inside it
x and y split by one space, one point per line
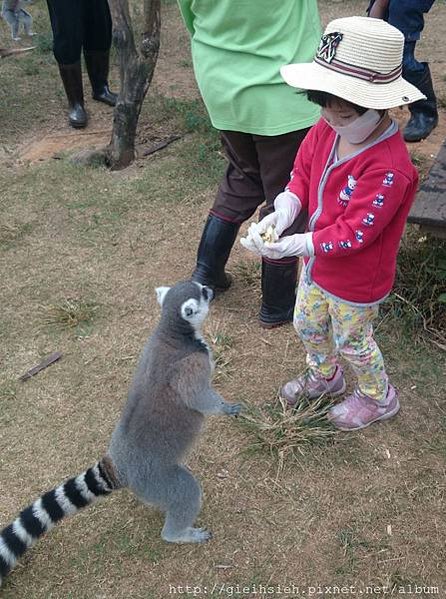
238 47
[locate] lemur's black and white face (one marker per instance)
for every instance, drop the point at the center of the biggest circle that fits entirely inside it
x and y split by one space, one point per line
189 301
195 310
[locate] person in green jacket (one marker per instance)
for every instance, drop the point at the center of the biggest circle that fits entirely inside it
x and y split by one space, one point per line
238 47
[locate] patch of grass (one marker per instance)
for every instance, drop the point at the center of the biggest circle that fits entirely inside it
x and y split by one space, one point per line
201 156
418 300
350 542
86 157
29 66
223 364
192 113
421 162
437 442
19 83
200 153
10 233
284 432
441 100
248 272
44 42
8 391
133 547
209 157
69 313
223 340
221 343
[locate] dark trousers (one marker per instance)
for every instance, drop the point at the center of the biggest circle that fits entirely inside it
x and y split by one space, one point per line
78 24
408 17
259 169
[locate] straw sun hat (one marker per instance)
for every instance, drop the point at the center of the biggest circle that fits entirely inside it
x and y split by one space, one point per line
359 59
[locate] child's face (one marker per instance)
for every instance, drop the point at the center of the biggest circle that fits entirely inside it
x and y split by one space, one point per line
349 124
339 114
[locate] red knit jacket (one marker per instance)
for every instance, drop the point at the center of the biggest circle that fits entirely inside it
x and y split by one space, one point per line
357 211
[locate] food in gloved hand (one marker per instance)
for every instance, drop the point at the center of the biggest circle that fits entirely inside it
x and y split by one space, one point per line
270 235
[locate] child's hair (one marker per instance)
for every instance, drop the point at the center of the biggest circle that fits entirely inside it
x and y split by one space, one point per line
325 99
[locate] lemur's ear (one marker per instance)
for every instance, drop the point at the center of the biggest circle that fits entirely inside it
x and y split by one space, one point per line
161 294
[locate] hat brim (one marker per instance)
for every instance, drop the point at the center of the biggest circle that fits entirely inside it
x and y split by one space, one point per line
363 93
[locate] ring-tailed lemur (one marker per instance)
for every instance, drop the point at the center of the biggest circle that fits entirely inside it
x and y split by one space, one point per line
168 399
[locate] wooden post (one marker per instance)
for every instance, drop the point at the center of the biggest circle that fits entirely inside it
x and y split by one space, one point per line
136 71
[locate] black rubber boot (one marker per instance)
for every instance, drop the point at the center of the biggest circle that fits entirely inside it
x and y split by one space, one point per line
216 243
279 280
424 113
98 64
71 75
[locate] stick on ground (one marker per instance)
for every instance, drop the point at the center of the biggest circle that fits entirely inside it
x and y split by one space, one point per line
4 52
43 364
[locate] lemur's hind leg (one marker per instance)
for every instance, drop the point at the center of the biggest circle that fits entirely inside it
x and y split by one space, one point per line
182 503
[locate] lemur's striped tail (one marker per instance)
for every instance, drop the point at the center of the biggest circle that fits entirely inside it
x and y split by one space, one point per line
45 512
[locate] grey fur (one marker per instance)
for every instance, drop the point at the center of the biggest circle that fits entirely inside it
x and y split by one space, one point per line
170 395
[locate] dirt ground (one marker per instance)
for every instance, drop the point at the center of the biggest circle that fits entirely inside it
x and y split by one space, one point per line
364 513
174 78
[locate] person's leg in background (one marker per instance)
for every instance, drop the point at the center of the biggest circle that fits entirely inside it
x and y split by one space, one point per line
13 21
27 20
238 197
66 23
408 17
97 27
279 277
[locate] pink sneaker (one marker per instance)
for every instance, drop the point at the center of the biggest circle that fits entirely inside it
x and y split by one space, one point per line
358 410
313 386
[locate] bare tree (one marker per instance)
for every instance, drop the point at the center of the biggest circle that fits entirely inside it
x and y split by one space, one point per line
136 70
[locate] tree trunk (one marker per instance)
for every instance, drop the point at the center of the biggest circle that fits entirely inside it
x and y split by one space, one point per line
136 71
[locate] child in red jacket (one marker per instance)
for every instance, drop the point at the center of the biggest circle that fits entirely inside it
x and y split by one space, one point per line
354 176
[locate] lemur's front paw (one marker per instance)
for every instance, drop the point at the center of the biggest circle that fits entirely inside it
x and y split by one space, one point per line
233 409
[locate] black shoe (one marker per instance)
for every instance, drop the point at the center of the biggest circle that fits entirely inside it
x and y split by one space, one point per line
216 243
77 117
279 281
71 75
105 96
424 113
98 67
419 127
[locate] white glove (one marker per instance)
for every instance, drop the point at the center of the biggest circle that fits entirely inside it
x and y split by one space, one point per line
300 244
286 208
248 242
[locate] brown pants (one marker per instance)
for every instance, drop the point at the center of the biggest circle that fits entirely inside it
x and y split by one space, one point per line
259 169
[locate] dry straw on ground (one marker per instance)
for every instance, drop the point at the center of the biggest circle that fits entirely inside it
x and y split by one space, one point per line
283 431
68 313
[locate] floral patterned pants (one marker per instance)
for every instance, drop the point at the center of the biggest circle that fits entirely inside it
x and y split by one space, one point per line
329 327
